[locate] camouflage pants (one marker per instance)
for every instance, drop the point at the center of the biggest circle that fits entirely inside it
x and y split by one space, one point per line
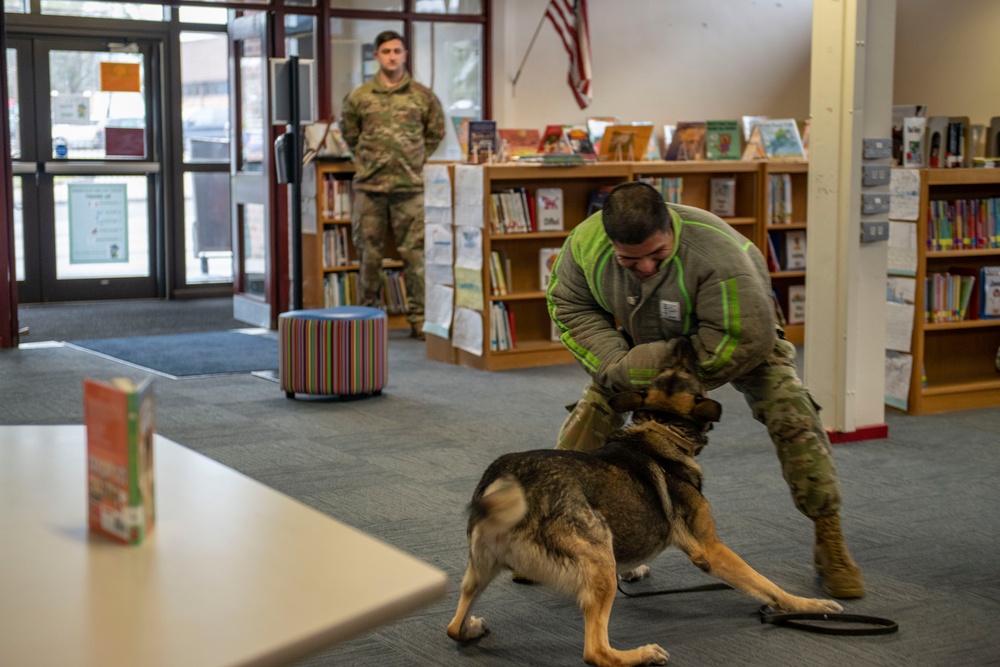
777 399
373 214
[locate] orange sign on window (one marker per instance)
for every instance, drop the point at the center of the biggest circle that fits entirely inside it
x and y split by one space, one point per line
120 77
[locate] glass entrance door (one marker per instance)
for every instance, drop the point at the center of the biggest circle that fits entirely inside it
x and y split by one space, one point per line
86 161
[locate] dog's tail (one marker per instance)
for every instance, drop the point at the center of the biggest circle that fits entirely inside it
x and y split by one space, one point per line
500 508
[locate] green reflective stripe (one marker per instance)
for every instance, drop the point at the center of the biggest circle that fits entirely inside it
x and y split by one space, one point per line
592 250
731 325
591 363
744 245
642 376
688 309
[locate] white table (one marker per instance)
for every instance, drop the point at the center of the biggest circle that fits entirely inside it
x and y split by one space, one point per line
234 573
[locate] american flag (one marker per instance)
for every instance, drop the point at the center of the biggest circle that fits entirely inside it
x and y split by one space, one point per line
569 18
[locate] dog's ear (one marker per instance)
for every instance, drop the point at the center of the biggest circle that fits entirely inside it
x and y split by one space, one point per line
627 401
683 355
706 410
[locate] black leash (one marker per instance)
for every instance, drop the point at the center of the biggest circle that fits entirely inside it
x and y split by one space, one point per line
814 623
800 621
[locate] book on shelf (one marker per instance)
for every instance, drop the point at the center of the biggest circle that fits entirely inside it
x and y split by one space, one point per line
652 147
625 142
722 140
971 276
990 305
779 199
596 126
515 143
483 145
992 149
748 123
546 261
579 141
498 276
937 139
554 141
900 113
120 417
796 304
461 127
722 197
549 209
795 250
671 187
914 149
780 138
957 152
772 252
595 202
687 142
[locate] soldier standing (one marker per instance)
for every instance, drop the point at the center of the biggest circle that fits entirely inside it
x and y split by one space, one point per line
392 124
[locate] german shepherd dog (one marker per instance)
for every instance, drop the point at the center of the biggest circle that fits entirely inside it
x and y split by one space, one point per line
577 520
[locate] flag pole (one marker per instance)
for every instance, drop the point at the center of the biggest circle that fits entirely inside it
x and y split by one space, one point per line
513 91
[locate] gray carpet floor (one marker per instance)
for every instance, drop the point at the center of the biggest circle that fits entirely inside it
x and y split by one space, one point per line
921 507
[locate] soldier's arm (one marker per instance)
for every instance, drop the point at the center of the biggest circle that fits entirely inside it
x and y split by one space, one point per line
350 124
433 126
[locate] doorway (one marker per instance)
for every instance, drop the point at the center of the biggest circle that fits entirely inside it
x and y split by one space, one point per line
86 145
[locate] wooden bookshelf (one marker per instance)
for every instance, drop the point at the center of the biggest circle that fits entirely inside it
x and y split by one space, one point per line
953 362
330 216
798 176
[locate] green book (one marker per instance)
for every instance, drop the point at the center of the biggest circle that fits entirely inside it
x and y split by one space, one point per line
722 140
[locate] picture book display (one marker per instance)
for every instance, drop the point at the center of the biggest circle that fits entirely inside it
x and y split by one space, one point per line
549 209
722 140
900 113
990 307
483 145
546 262
515 143
554 141
795 250
748 123
461 127
779 138
688 142
579 141
120 419
596 126
625 142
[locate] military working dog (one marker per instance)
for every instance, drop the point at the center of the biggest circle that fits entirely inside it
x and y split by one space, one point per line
577 520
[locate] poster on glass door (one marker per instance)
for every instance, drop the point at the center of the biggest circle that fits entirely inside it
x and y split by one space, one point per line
98 223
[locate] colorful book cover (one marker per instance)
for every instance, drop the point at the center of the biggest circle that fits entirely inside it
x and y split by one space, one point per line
579 140
596 126
625 143
482 142
722 197
688 142
796 304
554 141
518 142
546 261
461 126
722 140
120 419
795 250
780 138
549 209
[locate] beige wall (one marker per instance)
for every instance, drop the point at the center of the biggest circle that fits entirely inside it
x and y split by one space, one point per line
658 60
947 58
669 60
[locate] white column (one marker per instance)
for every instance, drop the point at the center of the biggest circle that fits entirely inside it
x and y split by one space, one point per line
850 99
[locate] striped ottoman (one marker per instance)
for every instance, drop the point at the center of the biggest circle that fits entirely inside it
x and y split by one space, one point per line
338 351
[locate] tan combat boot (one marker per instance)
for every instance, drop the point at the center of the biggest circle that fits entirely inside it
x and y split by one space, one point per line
841 575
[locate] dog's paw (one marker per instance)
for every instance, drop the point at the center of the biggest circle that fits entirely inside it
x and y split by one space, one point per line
636 574
812 606
653 654
474 628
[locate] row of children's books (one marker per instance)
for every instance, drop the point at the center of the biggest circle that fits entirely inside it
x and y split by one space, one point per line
963 293
779 199
501 327
606 138
963 224
336 198
518 211
942 142
344 289
500 270
337 247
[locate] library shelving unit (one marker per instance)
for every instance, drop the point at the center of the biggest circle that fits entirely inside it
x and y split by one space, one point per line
333 217
953 362
697 183
797 172
534 345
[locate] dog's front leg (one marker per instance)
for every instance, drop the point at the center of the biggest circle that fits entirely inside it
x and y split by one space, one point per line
720 561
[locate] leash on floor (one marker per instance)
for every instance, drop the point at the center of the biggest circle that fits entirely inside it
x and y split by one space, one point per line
824 624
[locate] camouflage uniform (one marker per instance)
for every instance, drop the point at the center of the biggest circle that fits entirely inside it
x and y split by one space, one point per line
714 289
391 131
